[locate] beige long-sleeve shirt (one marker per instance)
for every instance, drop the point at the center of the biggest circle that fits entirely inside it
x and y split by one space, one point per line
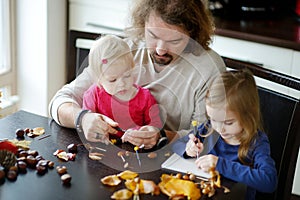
179 88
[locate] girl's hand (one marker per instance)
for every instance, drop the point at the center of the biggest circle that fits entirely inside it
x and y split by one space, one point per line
206 162
97 127
193 147
146 135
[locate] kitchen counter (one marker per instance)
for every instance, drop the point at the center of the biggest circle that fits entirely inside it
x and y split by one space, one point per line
276 32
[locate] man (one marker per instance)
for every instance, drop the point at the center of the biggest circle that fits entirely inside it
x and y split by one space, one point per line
169 40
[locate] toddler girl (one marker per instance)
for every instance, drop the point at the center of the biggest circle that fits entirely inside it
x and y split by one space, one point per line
115 95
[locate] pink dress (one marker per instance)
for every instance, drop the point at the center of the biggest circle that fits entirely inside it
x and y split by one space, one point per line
141 110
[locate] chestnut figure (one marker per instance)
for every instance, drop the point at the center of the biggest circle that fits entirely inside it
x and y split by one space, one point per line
66 179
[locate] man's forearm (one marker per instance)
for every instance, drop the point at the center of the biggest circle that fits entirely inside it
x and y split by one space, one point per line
67 113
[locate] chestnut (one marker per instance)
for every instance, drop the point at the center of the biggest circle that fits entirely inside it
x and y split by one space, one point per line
50 164
31 161
61 170
11 175
27 130
72 148
40 169
22 154
20 133
39 157
33 153
22 166
14 168
66 179
2 175
43 163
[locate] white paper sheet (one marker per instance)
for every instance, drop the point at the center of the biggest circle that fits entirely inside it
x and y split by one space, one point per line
178 164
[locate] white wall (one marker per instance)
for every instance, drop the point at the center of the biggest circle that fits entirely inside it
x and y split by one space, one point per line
41 48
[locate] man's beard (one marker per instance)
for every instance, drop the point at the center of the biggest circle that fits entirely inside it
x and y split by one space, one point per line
167 59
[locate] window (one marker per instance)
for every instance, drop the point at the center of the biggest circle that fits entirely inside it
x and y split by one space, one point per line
8 78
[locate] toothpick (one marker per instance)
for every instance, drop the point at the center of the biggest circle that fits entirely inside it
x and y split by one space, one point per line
99 148
120 154
136 148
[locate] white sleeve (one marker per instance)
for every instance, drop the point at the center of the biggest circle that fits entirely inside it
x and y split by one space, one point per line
72 92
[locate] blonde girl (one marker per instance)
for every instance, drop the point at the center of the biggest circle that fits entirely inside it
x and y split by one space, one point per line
232 138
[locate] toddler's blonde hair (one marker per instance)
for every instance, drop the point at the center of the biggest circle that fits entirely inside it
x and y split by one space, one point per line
106 50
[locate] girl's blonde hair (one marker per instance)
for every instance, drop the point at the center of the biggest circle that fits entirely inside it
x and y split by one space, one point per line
106 50
238 91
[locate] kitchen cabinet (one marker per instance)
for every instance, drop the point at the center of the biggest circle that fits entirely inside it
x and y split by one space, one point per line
275 58
99 16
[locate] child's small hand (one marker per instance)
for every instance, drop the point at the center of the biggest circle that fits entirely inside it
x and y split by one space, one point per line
193 147
206 162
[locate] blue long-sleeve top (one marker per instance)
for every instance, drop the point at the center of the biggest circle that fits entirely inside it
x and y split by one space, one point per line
261 176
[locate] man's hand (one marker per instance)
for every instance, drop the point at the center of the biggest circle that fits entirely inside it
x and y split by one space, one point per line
97 127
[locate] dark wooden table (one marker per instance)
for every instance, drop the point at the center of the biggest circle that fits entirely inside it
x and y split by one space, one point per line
86 173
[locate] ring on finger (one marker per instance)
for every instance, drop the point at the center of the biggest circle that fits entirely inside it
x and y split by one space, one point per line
98 136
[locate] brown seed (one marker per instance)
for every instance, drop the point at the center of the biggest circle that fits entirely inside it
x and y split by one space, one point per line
50 164
192 177
39 157
20 133
72 148
33 153
22 154
31 161
11 175
2 175
22 166
14 168
185 177
41 170
27 130
61 170
43 163
178 175
66 179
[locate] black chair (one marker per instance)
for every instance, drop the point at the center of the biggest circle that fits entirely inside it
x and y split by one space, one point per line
281 117
76 56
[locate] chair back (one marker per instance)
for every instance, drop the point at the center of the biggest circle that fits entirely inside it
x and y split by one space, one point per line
281 117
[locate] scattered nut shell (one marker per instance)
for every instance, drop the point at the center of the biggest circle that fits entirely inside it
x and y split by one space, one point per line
38 131
152 155
111 180
122 194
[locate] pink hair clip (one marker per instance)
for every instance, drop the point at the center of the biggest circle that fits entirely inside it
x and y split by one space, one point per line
104 61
